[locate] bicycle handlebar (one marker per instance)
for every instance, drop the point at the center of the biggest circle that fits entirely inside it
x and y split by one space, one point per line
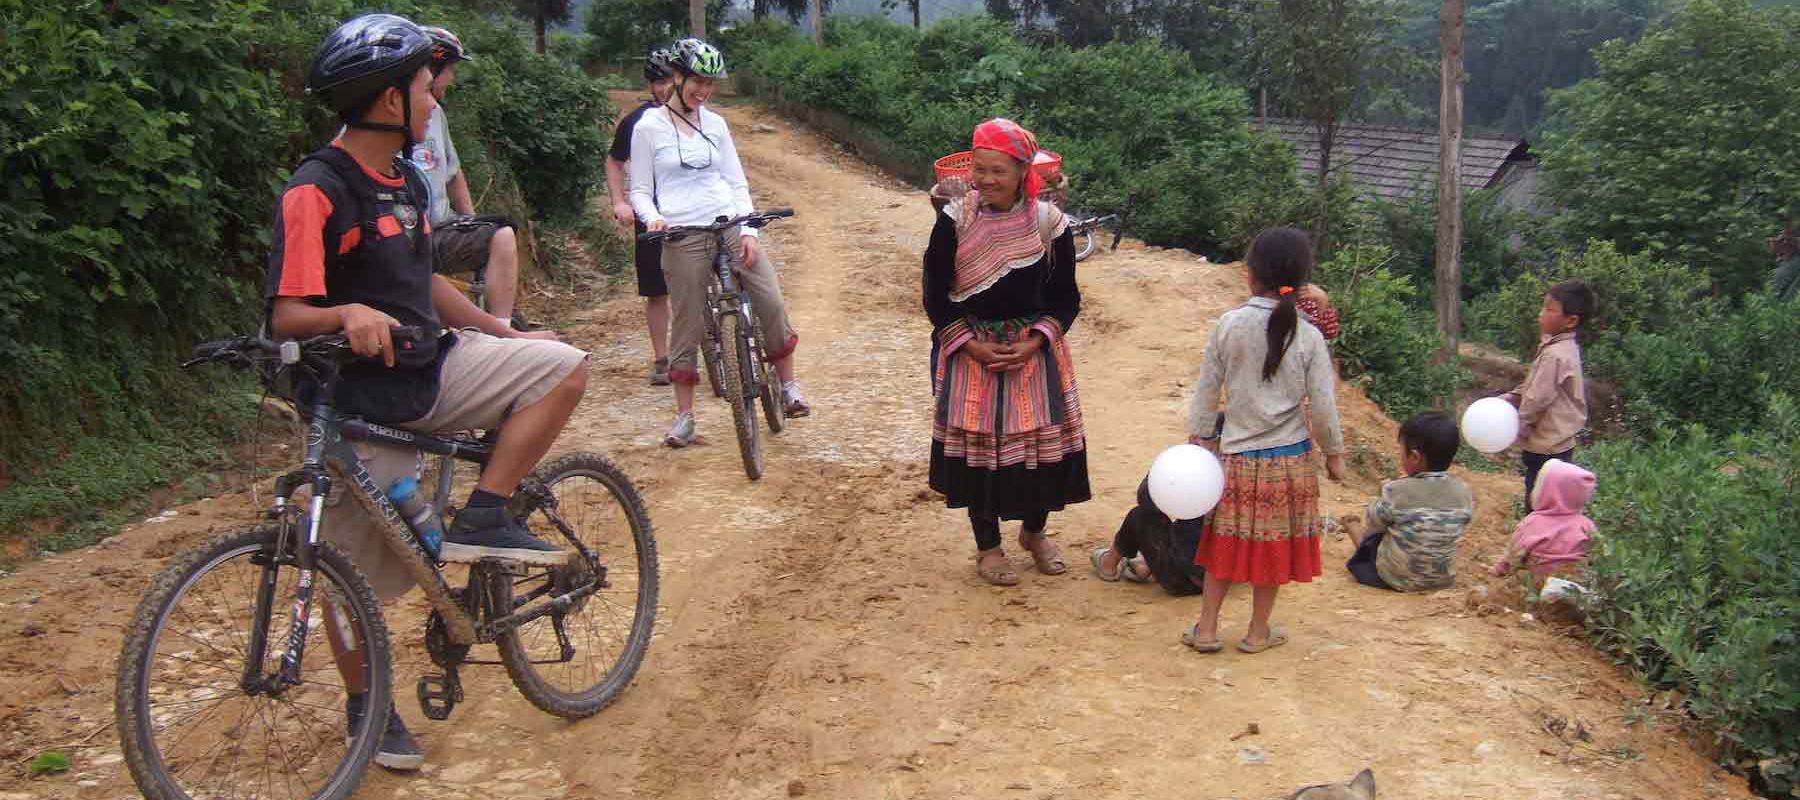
753 220
244 351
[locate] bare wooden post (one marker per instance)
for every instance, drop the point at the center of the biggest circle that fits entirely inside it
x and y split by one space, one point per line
1449 198
697 18
915 10
818 22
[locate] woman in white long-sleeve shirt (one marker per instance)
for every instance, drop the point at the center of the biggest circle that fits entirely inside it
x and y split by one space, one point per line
685 171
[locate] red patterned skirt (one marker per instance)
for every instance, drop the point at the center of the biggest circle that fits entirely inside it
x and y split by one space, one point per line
1265 530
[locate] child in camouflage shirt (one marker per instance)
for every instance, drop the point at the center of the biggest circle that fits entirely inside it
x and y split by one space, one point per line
1410 532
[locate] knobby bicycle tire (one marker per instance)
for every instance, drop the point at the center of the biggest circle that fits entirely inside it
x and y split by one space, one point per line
738 394
132 693
771 385
515 653
709 353
1086 245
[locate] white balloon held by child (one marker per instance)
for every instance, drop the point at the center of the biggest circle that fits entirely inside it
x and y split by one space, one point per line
1186 481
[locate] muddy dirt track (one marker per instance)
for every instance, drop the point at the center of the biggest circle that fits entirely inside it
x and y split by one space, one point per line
823 632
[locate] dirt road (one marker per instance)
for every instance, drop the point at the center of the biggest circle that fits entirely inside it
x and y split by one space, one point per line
824 634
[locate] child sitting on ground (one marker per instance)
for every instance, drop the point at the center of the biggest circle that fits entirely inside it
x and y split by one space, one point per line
1150 547
1410 532
1555 533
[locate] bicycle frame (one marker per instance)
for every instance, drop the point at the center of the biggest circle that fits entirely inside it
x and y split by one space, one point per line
328 449
732 299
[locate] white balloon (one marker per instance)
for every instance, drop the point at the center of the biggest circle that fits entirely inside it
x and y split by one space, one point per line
1490 424
1186 481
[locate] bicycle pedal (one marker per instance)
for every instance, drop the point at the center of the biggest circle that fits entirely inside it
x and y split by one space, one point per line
439 694
502 566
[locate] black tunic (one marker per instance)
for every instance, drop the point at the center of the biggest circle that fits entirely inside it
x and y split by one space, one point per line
1036 291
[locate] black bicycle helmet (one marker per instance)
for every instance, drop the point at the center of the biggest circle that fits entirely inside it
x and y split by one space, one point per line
446 49
360 59
695 57
660 64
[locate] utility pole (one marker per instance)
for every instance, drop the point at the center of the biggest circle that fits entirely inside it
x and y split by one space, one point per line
697 18
818 22
1449 196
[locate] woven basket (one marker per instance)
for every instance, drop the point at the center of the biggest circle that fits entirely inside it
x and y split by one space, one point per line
959 165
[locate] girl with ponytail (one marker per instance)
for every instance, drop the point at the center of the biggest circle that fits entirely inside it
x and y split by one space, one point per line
1267 358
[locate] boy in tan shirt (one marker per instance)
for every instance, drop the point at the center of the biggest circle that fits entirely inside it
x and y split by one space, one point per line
1552 401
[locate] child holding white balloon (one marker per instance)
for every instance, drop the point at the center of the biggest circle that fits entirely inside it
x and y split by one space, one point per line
1268 359
1552 401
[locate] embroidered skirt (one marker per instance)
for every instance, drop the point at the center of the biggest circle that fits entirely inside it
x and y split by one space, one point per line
1265 530
1009 444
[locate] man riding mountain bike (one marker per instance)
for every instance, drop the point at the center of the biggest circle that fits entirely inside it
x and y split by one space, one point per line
352 253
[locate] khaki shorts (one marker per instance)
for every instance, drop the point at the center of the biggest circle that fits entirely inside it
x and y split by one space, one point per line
461 245
484 380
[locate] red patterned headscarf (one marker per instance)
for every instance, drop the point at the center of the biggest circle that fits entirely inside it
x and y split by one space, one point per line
1009 137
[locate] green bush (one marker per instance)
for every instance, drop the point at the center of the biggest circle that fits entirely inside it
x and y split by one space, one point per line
1488 257
1384 338
1186 151
1635 293
144 145
1716 368
1696 574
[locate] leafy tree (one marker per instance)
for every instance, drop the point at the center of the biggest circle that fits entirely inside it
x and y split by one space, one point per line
1319 59
628 29
544 13
1686 144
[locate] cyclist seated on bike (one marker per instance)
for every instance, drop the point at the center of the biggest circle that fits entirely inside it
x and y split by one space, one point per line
684 170
353 253
461 241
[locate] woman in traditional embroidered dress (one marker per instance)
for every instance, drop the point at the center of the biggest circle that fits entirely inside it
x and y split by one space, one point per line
1007 440
1267 358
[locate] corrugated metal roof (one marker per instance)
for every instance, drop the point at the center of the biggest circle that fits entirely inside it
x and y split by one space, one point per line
1394 162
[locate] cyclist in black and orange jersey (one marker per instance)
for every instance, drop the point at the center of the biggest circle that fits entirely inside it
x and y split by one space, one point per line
352 254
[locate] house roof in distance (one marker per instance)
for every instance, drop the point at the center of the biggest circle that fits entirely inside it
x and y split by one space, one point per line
1394 162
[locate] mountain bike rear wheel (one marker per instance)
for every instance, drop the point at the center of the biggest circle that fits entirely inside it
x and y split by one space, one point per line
740 393
574 663
197 718
1085 243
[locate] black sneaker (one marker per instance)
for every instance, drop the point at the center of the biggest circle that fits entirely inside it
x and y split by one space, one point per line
398 750
492 532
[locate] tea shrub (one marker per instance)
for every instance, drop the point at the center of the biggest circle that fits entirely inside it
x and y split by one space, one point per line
1695 571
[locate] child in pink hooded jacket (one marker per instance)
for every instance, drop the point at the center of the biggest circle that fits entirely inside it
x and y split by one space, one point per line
1555 533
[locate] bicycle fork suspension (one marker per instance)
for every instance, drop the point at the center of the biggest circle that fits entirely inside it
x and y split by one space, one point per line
294 647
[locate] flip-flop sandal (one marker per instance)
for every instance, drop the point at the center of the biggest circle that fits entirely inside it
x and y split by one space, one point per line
1128 570
1002 575
1276 639
1187 638
1051 563
1094 558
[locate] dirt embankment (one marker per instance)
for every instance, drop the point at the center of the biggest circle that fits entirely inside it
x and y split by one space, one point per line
823 632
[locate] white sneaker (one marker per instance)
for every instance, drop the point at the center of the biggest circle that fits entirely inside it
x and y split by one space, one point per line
681 434
793 402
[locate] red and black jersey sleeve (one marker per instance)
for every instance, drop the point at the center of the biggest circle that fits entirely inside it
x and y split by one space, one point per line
305 230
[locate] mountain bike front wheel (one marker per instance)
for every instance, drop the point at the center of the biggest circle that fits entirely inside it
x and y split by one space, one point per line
740 393
574 662
201 714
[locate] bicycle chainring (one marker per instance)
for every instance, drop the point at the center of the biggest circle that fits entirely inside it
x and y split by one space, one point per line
444 653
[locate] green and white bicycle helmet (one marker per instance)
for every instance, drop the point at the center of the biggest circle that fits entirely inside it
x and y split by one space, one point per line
695 57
